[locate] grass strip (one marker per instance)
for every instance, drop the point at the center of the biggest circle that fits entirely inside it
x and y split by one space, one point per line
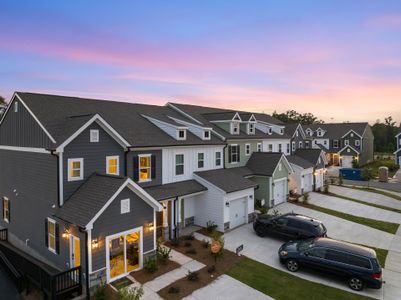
284 286
380 225
369 189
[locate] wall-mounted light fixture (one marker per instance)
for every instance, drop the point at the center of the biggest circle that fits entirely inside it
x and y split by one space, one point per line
95 243
149 227
66 234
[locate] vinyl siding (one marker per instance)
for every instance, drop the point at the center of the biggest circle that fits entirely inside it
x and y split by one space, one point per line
158 158
275 143
20 129
112 222
93 154
263 192
243 158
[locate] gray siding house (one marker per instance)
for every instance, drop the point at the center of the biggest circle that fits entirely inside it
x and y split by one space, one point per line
397 153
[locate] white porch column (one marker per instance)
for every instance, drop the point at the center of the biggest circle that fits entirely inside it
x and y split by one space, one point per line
173 209
165 221
179 209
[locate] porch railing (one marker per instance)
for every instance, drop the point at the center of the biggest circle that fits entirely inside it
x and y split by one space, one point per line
3 234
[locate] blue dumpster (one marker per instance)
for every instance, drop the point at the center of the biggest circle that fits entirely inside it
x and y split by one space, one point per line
351 174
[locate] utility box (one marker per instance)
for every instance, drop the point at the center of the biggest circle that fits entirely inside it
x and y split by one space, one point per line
383 174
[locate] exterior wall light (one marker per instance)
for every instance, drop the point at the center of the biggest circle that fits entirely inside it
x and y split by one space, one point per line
95 243
66 234
228 204
150 227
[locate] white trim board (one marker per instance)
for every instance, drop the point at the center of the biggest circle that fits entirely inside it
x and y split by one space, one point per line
349 131
25 149
183 113
349 146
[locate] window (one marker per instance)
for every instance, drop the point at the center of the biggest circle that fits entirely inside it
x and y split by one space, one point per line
181 134
206 135
325 142
357 143
251 128
145 167
179 164
288 148
259 147
281 131
320 133
335 144
300 144
348 150
75 169
346 142
352 134
280 166
296 133
125 206
6 209
201 160
234 127
112 165
306 144
317 252
270 147
247 149
233 153
269 130
359 261
336 256
309 132
51 235
293 146
94 135
15 106
319 161
218 159
280 147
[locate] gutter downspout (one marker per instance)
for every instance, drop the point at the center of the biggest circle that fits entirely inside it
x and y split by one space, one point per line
224 156
53 152
126 161
86 263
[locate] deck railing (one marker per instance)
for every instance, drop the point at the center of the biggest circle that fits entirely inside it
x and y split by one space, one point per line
3 234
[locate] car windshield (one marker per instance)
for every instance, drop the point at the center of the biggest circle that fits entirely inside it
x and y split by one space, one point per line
305 244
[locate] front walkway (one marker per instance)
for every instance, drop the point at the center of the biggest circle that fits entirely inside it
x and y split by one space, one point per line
366 196
393 268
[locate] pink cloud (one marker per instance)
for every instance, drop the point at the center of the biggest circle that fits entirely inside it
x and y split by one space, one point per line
387 20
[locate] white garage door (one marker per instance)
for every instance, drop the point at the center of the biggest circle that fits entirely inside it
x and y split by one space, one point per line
280 191
319 180
346 161
238 212
308 182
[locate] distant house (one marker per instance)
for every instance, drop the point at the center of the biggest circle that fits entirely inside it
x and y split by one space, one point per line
397 153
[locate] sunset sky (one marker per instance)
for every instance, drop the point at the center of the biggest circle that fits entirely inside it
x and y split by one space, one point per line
340 60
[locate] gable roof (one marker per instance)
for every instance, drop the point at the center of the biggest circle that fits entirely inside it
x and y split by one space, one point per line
62 116
311 155
227 180
337 130
175 189
91 197
299 161
264 163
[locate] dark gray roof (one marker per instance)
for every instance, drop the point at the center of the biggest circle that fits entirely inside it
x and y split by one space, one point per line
90 197
263 163
290 128
299 161
227 180
176 189
311 155
337 130
206 116
62 116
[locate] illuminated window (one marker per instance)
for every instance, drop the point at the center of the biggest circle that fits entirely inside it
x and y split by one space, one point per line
75 169
6 209
145 167
51 234
112 165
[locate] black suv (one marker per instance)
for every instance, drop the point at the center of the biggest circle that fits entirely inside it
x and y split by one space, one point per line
289 226
358 265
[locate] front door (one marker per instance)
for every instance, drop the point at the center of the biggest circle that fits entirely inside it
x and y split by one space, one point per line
75 250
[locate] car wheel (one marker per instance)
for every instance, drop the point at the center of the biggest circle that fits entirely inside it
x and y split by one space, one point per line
259 231
355 283
292 265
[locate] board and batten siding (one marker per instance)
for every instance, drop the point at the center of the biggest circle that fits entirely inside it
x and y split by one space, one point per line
111 222
190 161
93 154
22 130
243 159
157 168
247 195
275 143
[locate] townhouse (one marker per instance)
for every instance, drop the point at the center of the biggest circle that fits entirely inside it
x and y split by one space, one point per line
397 152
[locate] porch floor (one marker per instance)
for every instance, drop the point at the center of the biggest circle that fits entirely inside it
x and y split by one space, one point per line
189 229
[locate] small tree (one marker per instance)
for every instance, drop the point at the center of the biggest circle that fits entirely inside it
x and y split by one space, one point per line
340 180
326 188
367 174
306 198
130 293
217 246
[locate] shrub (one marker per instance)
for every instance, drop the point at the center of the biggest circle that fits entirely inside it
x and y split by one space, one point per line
191 251
100 292
263 210
306 198
326 189
189 237
211 226
130 293
163 254
340 180
205 243
211 269
332 180
150 265
192 276
187 244
174 290
355 164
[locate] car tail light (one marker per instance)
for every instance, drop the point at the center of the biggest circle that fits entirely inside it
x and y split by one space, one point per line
377 275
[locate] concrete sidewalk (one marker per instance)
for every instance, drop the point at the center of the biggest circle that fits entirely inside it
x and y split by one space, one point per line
366 196
392 186
354 208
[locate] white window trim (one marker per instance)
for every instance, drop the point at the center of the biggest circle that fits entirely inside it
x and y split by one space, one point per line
293 145
215 158
288 148
259 147
121 206
270 147
48 235
183 164
81 173
253 125
237 146
139 167
247 147
280 166
335 145
233 125
91 137
181 138
300 144
197 160
118 164
357 143
346 142
204 135
8 210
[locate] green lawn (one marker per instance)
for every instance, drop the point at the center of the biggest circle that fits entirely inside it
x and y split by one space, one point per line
380 225
369 189
381 254
375 165
283 286
365 203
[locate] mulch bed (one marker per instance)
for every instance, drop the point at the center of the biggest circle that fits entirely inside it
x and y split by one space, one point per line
203 255
207 233
143 276
121 283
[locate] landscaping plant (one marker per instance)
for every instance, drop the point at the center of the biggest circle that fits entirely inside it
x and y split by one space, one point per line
217 246
211 227
163 254
130 293
174 290
150 265
189 237
205 243
367 175
192 276
100 292
326 189
306 198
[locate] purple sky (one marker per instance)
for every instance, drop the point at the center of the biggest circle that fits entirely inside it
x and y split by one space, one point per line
340 60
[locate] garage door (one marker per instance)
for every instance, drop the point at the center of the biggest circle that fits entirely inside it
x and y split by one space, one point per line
308 182
238 212
319 180
280 191
347 161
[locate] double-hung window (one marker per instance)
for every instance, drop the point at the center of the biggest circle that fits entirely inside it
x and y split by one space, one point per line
251 128
346 142
218 159
75 169
288 148
113 165
357 143
280 148
335 144
51 235
201 160
235 127
259 147
6 209
234 153
179 164
145 167
247 149
270 147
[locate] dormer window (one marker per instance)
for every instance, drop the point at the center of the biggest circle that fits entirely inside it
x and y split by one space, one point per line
309 132
281 131
206 135
320 132
234 127
251 128
269 130
181 134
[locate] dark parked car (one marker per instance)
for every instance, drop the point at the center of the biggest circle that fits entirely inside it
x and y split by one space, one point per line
358 265
289 226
